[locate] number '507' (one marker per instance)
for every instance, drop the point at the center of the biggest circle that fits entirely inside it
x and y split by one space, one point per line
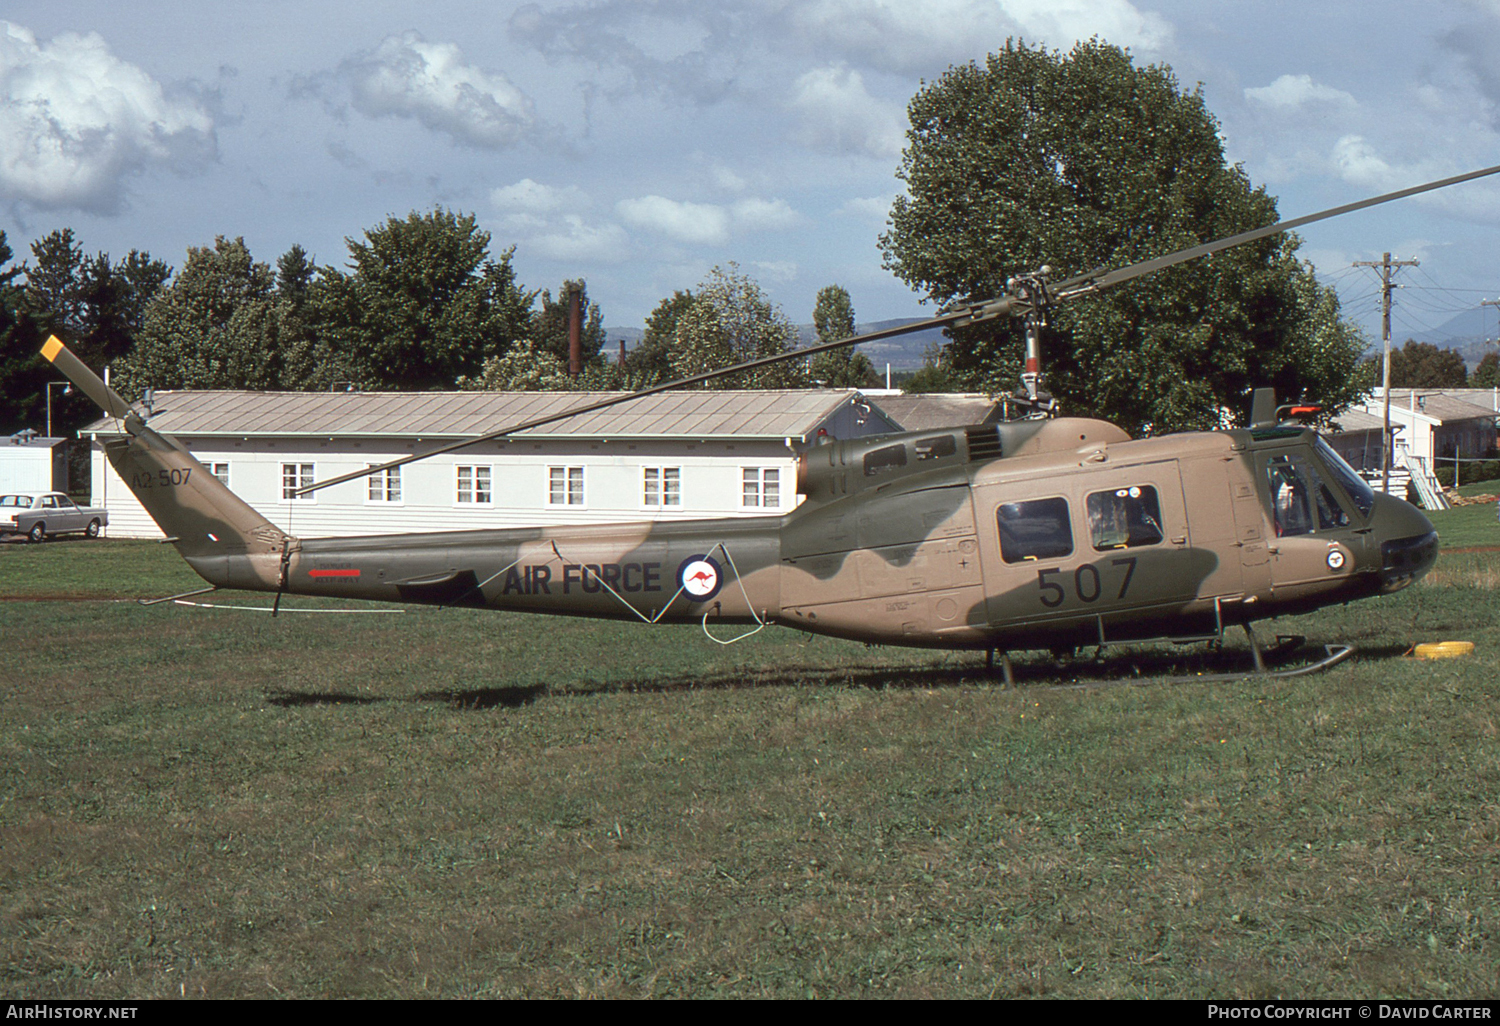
1088 583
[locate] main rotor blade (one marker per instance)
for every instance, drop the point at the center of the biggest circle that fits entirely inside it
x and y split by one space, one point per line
968 313
942 320
1094 281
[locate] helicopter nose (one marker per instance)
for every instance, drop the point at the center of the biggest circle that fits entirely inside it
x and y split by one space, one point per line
1408 542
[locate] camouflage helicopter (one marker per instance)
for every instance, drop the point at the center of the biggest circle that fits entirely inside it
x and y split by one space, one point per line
1050 532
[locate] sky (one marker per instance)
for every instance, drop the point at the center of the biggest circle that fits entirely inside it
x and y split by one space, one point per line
639 143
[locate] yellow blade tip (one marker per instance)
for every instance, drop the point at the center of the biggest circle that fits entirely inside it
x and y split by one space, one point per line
52 348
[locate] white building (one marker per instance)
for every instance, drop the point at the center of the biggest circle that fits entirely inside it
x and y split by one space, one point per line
33 464
673 456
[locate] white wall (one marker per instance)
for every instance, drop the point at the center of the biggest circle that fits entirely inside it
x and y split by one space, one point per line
711 484
25 468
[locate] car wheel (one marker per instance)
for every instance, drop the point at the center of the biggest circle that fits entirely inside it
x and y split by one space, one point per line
93 529
39 533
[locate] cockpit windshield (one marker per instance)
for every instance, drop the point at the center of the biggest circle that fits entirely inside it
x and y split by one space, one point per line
1301 502
1352 483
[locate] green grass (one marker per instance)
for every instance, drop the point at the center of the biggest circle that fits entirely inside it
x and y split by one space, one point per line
1469 526
456 803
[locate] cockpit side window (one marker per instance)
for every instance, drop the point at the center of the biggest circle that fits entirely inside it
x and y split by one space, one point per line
1035 529
883 461
1353 485
935 447
1123 518
1301 502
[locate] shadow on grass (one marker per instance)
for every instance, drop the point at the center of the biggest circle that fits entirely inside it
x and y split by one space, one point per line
1122 667
473 698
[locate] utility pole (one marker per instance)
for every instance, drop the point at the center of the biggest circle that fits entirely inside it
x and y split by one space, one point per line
1385 265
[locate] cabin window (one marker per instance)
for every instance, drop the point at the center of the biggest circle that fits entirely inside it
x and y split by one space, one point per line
385 485
935 447
1123 518
293 477
474 486
761 486
1354 485
565 486
661 486
883 461
1300 501
1035 529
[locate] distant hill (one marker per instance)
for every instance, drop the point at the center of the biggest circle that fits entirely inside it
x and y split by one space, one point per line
1467 333
904 352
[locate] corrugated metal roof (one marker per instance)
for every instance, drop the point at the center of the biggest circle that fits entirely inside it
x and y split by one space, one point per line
688 414
1433 403
922 412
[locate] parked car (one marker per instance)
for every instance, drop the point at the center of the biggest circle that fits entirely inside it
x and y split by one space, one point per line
44 514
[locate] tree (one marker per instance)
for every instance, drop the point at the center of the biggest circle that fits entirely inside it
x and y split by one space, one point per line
423 305
549 324
650 362
1081 161
833 319
731 321
1487 374
23 371
1424 365
216 326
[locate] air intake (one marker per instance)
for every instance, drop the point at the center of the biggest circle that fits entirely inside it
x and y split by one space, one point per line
984 442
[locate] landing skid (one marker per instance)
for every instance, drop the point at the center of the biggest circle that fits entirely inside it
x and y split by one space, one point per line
1333 655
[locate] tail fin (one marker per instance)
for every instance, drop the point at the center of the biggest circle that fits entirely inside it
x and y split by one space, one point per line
207 522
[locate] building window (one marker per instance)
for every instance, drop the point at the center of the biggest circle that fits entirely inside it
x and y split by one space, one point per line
474 486
220 471
662 486
293 477
385 485
565 486
762 487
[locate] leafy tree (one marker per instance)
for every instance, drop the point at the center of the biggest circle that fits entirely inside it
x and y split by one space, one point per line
933 376
23 372
529 366
216 326
423 305
549 324
1424 365
731 321
1418 365
650 362
1487 374
1081 161
833 319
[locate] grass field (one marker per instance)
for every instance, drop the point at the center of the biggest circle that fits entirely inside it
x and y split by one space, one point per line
452 803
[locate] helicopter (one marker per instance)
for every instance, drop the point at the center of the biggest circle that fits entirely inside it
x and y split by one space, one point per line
1049 532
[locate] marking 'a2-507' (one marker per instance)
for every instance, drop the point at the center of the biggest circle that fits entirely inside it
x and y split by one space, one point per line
163 478
1087 582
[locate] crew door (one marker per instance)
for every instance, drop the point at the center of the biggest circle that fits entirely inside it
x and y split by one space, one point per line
1110 552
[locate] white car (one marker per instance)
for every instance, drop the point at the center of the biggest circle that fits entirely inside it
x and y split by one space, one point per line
43 514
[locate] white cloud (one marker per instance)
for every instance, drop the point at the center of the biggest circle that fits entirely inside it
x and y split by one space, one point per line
778 271
1357 162
529 197
839 115
1292 91
572 239
707 50
698 223
406 76
76 122
763 215
871 208
925 35
705 223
